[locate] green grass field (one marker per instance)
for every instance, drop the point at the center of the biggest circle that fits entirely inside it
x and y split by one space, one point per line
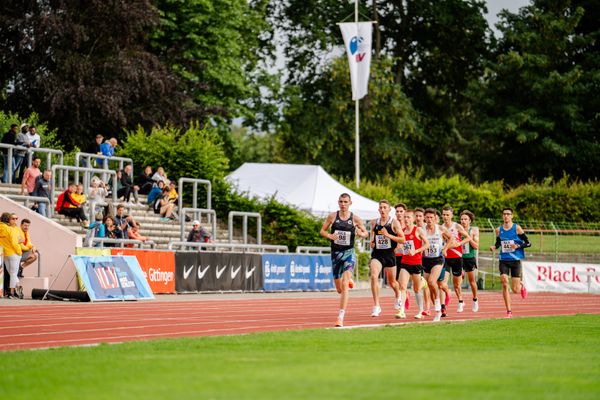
549 243
549 358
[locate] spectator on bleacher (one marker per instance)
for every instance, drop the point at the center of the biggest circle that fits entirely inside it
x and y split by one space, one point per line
97 194
173 195
67 206
9 137
134 234
30 176
94 148
123 222
10 242
79 195
107 149
19 155
155 195
160 175
97 229
43 188
127 186
145 181
34 137
167 207
198 234
28 250
111 231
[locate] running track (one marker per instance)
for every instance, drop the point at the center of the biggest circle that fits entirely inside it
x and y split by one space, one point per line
50 324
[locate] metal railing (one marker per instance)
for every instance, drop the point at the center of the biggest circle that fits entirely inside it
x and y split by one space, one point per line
245 216
88 171
313 250
30 151
28 199
106 160
197 212
249 248
195 183
121 242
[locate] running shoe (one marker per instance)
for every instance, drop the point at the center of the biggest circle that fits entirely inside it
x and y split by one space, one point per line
407 301
475 306
438 316
351 283
339 323
447 299
444 314
419 316
461 306
401 314
397 304
376 311
523 292
509 314
426 313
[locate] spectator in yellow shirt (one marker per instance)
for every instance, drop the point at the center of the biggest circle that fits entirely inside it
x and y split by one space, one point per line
28 249
10 241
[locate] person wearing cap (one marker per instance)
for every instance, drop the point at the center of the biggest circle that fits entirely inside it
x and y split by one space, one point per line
198 234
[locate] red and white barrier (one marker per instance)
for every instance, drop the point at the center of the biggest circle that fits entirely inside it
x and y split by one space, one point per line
540 276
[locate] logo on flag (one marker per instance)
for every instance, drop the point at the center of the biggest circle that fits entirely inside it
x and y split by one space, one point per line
357 40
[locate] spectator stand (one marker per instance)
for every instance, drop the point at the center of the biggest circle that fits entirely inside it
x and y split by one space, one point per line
30 151
197 213
195 183
89 158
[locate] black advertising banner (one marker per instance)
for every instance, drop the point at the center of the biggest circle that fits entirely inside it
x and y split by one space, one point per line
229 271
186 270
253 276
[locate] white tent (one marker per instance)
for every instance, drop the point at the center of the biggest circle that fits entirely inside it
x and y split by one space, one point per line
307 187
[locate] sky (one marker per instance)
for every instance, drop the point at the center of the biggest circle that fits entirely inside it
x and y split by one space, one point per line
495 6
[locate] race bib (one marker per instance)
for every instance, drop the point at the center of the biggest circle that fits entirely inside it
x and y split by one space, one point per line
343 238
408 246
382 242
506 246
466 248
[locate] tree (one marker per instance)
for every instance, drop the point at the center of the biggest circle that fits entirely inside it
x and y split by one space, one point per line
83 67
535 111
318 124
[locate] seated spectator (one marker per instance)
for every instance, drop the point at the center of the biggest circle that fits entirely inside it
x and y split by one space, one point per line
111 230
145 181
160 175
198 234
127 186
167 207
43 188
29 252
173 196
134 233
79 196
97 194
97 229
66 205
155 194
30 176
116 184
123 222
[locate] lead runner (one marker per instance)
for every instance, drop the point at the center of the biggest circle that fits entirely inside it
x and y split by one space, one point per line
344 227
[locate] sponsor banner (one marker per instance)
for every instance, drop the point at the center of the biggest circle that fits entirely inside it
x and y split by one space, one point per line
92 251
209 271
112 278
186 268
357 40
297 272
561 277
158 267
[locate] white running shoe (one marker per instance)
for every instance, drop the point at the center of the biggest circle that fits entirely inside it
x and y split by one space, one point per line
438 316
376 311
461 306
475 306
419 316
401 314
397 304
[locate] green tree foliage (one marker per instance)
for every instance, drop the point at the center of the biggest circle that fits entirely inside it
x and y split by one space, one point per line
215 47
83 67
318 124
536 110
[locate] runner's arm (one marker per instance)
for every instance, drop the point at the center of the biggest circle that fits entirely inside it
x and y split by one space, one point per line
474 242
361 230
521 234
463 232
424 241
399 238
497 244
324 229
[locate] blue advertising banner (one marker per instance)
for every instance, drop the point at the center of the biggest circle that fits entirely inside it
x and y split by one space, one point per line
296 272
112 278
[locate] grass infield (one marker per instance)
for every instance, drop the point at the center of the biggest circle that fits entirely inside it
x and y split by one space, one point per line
547 357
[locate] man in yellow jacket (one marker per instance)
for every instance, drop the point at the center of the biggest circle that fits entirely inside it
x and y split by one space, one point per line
27 248
10 240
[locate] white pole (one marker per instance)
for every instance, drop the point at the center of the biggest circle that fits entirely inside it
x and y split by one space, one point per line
356 114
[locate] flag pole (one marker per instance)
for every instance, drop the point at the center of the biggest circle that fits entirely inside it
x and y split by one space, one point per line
356 118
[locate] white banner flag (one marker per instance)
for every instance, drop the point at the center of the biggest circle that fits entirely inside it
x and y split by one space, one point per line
540 276
358 49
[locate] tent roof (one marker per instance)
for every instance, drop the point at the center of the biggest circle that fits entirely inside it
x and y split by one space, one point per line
308 187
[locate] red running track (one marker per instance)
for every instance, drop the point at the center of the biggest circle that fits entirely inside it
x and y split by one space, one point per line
45 325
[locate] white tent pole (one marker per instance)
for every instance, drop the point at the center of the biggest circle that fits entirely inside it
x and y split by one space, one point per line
357 118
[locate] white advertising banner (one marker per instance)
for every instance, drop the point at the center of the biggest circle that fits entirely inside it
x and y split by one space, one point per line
561 277
357 41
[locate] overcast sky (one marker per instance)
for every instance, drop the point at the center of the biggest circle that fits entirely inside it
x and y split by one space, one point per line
495 6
